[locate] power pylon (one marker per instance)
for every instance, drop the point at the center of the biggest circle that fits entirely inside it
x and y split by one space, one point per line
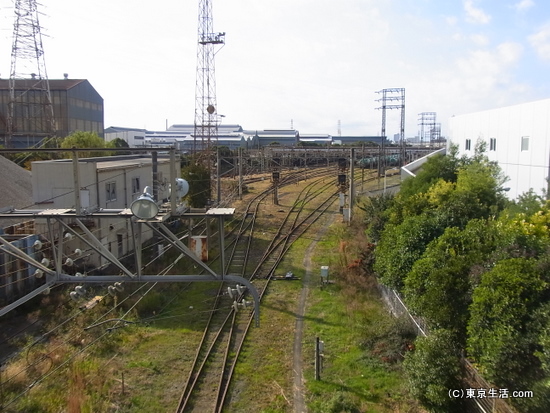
206 115
427 123
30 108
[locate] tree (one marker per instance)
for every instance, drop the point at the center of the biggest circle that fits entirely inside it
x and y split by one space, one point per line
119 143
433 369
198 178
500 330
401 245
81 139
439 284
437 167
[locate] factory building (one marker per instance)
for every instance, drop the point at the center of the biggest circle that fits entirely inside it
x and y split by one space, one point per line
516 137
77 106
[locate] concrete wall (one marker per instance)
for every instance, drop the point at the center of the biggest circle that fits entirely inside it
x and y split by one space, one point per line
409 170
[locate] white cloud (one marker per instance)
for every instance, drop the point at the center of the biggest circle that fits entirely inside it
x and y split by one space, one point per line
475 14
540 41
524 5
480 39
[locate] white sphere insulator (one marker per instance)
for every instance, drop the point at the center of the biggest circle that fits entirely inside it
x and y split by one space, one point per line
38 273
46 291
119 286
79 274
111 290
45 262
69 262
78 252
80 290
74 295
68 236
37 244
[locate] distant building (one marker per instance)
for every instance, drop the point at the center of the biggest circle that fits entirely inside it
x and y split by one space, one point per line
181 136
135 138
76 105
517 138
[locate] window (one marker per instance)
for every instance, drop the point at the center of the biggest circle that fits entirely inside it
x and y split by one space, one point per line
493 144
524 143
468 145
110 191
136 185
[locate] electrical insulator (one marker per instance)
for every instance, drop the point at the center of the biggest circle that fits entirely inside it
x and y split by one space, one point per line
45 262
79 274
69 262
46 291
74 295
80 290
68 236
119 287
241 289
232 292
78 252
37 244
112 291
38 273
242 304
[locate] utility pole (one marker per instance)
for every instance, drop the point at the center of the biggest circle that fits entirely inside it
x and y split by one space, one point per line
240 173
351 182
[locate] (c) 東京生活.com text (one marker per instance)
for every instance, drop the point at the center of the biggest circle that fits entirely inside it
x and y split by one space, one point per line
491 393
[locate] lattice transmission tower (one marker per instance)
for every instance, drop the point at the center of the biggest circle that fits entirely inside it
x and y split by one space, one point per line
30 109
428 128
206 112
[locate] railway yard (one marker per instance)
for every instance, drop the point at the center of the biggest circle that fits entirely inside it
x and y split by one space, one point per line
195 347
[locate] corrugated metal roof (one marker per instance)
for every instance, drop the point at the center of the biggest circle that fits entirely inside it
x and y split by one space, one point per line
55 84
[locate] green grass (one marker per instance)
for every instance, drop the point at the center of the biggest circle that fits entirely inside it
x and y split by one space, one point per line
363 342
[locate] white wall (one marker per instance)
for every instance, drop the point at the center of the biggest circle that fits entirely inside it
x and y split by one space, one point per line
134 138
525 169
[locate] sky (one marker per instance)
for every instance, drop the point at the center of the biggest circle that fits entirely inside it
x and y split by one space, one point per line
310 64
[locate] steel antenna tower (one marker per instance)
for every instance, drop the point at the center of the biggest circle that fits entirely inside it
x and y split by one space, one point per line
30 109
206 116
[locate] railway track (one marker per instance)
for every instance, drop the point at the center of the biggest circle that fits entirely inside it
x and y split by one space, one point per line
207 386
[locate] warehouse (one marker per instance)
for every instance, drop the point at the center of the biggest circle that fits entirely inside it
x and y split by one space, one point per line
77 106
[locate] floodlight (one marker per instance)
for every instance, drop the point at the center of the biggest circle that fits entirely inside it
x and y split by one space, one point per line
182 188
145 206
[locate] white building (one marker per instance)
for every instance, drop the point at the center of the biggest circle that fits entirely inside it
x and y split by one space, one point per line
135 138
517 137
112 182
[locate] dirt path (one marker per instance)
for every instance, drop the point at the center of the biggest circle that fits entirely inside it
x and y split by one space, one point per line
299 389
